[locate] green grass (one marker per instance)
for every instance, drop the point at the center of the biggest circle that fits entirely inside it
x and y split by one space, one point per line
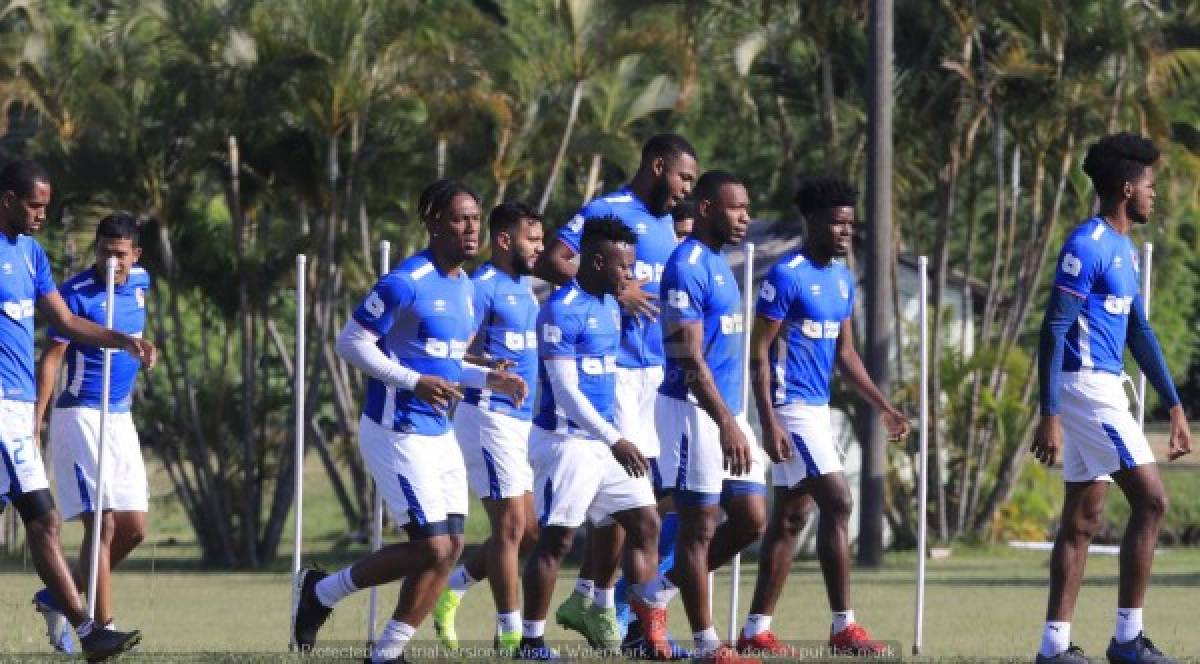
980 602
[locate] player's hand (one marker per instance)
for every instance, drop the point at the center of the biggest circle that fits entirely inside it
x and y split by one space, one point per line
637 301
1047 440
896 423
143 350
630 457
508 383
437 391
777 441
735 448
1181 434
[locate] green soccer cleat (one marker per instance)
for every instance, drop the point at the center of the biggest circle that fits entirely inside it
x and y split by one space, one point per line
571 613
603 630
443 619
506 643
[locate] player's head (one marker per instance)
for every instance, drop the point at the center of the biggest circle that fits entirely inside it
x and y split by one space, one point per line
451 214
722 207
684 215
24 197
827 203
669 167
117 236
516 231
606 253
1121 167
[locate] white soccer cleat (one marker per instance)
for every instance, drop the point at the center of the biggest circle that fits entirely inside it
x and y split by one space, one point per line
58 630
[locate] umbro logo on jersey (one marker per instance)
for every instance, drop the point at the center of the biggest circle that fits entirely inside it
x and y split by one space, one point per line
1072 265
439 306
1116 262
641 228
512 299
7 268
815 289
720 279
592 323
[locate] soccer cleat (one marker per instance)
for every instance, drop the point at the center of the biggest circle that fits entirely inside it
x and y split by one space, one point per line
571 612
1138 650
1072 655
309 613
507 643
602 630
102 644
634 645
443 619
654 629
58 630
856 642
724 655
535 648
763 644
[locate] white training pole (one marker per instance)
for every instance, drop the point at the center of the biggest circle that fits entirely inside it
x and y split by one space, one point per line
385 257
298 397
1147 256
923 433
735 571
110 304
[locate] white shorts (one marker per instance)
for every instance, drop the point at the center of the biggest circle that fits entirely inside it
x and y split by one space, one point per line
1100 435
815 452
74 437
691 458
23 468
633 402
577 478
496 450
421 478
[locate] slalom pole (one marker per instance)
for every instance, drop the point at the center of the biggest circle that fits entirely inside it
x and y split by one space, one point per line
110 302
1147 258
735 571
385 257
923 434
298 406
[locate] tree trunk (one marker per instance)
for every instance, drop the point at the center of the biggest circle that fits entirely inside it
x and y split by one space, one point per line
442 149
593 178
560 156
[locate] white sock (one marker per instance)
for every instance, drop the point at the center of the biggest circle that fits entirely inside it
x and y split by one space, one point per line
112 624
842 620
707 640
605 598
1056 638
585 587
533 629
333 588
85 628
659 591
392 641
507 623
460 580
756 623
1129 625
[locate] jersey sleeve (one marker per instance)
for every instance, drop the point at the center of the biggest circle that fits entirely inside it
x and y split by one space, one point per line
572 232
43 279
852 289
559 328
1081 261
774 295
77 305
392 294
686 289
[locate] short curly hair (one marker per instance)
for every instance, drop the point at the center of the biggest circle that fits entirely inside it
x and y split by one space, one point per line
823 192
1116 159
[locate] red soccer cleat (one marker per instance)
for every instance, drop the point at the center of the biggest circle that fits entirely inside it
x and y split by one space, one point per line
654 629
763 644
724 655
856 642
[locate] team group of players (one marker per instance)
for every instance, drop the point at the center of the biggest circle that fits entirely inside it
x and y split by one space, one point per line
618 403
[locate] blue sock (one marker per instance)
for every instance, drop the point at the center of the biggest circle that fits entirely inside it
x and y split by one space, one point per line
666 560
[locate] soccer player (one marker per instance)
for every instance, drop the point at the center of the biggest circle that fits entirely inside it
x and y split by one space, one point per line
584 467
409 336
683 216
663 179
28 285
1094 311
493 430
709 458
806 302
75 423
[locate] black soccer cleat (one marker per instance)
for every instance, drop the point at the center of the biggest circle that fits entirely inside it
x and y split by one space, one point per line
1072 655
308 613
1138 650
102 644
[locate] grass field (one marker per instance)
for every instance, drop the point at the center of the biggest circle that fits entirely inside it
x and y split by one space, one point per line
981 603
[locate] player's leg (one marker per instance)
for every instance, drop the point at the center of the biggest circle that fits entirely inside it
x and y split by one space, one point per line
537 583
1147 498
104 611
1083 505
129 530
788 516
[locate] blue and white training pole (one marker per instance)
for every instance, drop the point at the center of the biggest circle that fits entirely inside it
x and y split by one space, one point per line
735 570
923 454
385 259
299 423
110 298
1147 259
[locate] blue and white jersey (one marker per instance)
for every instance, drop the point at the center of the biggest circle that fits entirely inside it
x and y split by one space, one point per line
1100 266
573 324
641 339
24 279
85 297
812 301
700 287
424 320
506 311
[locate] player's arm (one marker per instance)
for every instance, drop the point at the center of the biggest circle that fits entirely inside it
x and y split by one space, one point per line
1147 352
84 331
762 337
852 368
1062 310
47 377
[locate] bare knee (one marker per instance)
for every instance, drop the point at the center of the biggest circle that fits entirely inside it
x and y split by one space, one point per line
1084 524
45 527
838 506
555 542
1154 506
511 529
